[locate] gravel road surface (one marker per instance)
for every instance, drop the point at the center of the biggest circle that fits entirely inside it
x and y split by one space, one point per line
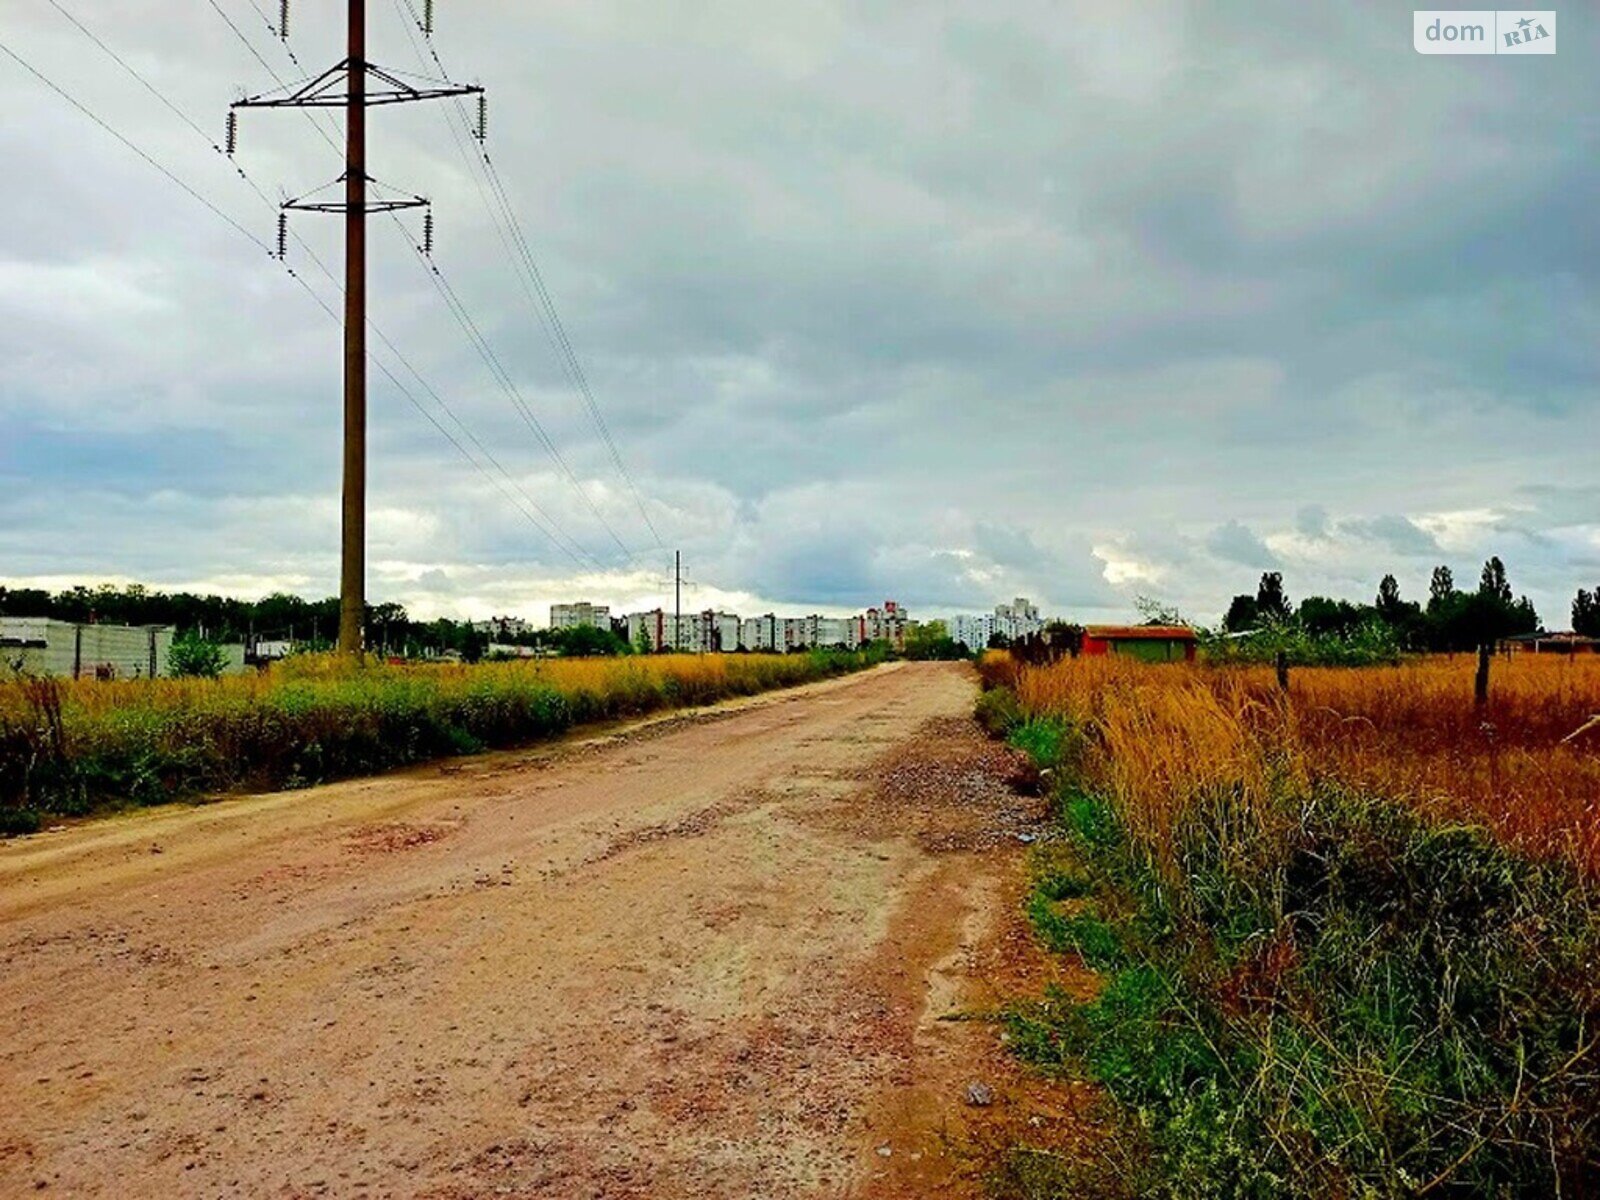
702 956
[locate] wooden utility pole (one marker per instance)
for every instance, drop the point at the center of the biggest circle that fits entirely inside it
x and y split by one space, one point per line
346 85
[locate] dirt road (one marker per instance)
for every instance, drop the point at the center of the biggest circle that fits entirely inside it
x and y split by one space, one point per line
703 957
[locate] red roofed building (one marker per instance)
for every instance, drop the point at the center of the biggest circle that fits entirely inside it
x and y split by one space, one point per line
1147 643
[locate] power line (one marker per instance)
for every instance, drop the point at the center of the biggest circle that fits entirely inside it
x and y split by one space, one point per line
555 535
552 533
58 90
474 335
568 544
525 266
563 541
281 34
503 377
267 67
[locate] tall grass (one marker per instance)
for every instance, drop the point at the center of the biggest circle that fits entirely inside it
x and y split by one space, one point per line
1350 931
1408 732
70 747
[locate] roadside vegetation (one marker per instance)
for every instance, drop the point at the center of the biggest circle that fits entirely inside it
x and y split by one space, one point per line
1349 934
70 748
1266 627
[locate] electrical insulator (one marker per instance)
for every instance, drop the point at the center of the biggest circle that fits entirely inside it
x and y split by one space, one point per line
233 131
427 17
283 236
483 116
283 19
427 234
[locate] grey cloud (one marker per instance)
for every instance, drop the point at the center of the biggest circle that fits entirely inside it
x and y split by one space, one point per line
1311 520
1565 505
1398 533
1237 543
874 300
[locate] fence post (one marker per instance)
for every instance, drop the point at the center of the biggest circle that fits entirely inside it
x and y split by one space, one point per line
1283 670
1480 686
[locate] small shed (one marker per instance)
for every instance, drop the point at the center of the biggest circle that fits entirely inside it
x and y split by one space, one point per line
1552 643
1147 643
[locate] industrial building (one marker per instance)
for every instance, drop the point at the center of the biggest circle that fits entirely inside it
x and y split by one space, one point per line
43 646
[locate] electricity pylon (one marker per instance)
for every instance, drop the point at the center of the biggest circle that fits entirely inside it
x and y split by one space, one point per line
346 85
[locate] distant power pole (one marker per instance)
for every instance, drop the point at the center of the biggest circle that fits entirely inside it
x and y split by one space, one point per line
677 600
324 92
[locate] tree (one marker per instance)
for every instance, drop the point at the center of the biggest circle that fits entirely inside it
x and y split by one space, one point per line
1494 583
1586 613
1157 612
1464 620
1388 596
1272 606
1321 616
643 644
588 641
1243 613
1441 589
1404 617
1524 619
193 656
382 623
932 640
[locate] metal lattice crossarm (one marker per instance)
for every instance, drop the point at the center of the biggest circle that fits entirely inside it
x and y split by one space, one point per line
381 204
331 89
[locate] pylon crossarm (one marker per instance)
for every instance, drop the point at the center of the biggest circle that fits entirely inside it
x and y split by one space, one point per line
331 90
313 92
378 204
372 206
401 91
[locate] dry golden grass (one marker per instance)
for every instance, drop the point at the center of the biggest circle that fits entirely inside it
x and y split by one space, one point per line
1526 765
72 746
712 674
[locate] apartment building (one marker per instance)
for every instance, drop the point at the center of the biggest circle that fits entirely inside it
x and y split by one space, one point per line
1019 619
576 616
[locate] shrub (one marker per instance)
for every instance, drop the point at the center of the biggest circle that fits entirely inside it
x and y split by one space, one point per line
998 711
1041 738
193 657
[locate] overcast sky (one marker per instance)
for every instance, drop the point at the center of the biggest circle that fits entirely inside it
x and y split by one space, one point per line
933 301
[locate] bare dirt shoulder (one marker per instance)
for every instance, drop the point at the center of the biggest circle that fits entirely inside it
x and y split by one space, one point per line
705 956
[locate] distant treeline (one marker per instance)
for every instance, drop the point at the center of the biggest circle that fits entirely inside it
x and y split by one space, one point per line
1451 620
